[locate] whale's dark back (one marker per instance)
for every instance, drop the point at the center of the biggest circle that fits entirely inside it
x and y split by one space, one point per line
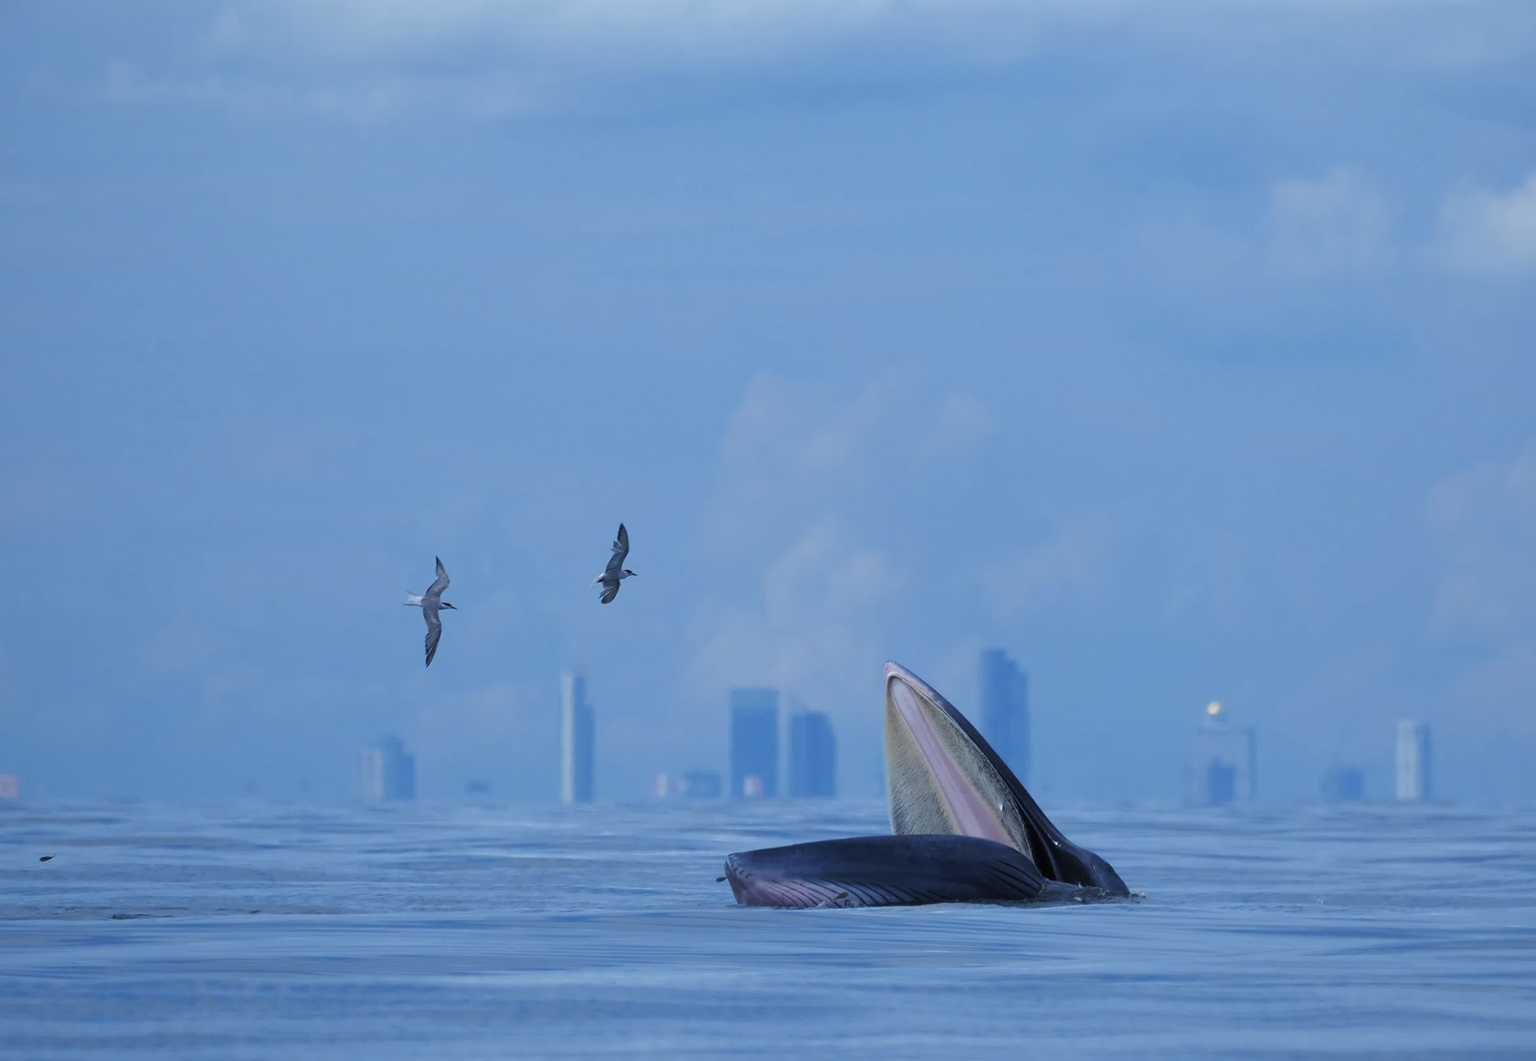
884 871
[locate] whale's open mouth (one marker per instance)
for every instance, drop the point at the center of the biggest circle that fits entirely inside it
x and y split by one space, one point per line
937 777
964 829
943 777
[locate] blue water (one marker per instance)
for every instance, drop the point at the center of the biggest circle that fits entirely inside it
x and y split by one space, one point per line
256 931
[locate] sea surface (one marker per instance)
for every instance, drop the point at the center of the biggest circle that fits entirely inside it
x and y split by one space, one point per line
422 931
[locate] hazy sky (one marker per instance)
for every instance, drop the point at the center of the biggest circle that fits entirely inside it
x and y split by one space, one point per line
1183 349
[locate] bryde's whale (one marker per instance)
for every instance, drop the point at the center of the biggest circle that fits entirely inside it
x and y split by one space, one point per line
965 829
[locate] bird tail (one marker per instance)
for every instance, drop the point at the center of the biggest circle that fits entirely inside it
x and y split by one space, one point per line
412 599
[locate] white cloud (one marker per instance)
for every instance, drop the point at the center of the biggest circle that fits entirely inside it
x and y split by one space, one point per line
1484 522
1064 570
961 424
792 457
622 32
813 626
1501 690
1329 224
1484 231
369 60
809 495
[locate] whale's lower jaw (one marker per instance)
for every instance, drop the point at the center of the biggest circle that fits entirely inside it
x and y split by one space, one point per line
886 871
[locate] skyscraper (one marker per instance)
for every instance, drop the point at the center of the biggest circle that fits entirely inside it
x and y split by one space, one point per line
1413 775
701 784
1221 764
386 771
1005 710
1343 783
754 743
812 756
577 740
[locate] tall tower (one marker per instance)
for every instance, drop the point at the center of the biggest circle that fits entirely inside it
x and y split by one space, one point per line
812 756
576 740
1413 775
1005 710
754 743
1221 763
386 771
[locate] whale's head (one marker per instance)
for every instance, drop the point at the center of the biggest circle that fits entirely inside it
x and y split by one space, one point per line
943 777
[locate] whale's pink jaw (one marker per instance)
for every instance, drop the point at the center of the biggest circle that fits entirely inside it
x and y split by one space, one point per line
937 779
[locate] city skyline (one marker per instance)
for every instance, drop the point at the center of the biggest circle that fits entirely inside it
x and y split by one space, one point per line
1183 352
799 748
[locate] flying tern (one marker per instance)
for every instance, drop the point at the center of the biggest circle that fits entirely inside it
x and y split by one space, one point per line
429 602
615 572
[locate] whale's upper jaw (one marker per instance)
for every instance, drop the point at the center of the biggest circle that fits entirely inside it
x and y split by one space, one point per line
943 777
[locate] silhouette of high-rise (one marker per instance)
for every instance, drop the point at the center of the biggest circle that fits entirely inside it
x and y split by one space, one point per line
1413 774
701 784
1005 710
754 743
577 740
1343 784
386 771
695 784
812 756
1221 764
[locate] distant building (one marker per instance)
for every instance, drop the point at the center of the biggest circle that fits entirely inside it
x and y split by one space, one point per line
1343 783
1413 773
812 756
1221 764
754 743
386 772
477 788
1005 710
577 740
10 788
695 784
701 784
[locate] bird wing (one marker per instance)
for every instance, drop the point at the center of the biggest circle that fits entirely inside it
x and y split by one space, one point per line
435 591
610 591
620 551
434 632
